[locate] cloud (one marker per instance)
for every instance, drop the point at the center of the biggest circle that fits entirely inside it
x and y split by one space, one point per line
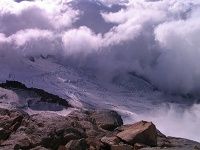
44 15
171 30
81 40
154 39
168 121
24 36
177 64
112 2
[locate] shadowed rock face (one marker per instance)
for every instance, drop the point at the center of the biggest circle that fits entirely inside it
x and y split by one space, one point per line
36 99
81 130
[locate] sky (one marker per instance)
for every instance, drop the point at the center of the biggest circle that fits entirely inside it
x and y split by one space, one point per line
155 39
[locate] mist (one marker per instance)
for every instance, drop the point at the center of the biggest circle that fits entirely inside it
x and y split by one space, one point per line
171 120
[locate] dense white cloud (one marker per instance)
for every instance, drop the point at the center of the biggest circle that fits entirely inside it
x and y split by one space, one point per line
178 62
81 40
39 14
24 36
155 39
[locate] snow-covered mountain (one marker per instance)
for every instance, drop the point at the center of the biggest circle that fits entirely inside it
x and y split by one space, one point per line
139 58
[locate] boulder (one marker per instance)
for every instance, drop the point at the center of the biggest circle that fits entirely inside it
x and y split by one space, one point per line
106 119
81 119
70 136
76 145
141 132
96 143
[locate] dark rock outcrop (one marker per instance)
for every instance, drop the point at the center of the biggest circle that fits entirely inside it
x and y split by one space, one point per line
37 97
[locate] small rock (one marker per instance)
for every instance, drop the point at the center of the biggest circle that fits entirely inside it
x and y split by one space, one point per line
92 147
39 148
121 147
139 146
32 59
61 147
110 140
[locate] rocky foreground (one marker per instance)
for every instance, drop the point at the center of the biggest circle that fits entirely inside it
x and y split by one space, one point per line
82 130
